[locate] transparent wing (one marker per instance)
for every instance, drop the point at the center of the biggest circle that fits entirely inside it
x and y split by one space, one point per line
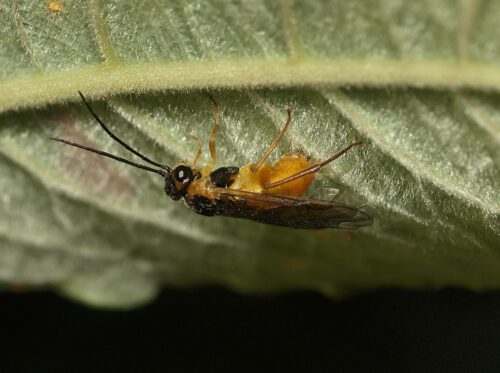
295 212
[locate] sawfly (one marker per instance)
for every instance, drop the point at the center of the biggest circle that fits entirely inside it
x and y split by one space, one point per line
262 192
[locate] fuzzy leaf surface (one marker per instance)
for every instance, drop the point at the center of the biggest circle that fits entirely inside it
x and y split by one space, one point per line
417 82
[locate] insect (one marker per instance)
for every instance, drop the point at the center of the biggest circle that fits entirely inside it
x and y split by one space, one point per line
55 6
262 192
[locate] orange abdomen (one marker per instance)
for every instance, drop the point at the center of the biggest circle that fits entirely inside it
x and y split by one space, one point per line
286 166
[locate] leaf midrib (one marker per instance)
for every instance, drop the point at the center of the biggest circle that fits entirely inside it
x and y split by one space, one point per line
36 89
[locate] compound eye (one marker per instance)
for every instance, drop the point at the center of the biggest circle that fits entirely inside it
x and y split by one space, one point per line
183 174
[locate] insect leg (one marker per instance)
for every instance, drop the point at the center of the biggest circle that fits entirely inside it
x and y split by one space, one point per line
313 169
211 143
274 144
198 149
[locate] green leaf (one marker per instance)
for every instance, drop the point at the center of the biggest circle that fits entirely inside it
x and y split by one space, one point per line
418 82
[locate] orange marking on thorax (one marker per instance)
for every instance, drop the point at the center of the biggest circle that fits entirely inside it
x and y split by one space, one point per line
287 165
203 185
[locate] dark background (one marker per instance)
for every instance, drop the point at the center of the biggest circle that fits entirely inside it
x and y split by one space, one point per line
213 329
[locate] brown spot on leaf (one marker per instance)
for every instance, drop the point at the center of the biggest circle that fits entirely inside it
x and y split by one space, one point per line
291 264
89 169
17 287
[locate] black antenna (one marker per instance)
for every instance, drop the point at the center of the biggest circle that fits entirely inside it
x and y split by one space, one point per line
116 138
162 171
